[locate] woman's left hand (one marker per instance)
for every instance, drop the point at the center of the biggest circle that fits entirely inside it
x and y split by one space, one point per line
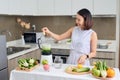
82 59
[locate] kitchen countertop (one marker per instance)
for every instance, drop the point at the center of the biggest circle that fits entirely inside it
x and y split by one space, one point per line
60 45
18 43
66 45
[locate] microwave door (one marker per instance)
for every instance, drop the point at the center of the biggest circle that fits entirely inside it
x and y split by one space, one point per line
30 38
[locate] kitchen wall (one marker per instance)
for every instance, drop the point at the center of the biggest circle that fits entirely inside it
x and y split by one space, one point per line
9 23
55 24
118 30
104 26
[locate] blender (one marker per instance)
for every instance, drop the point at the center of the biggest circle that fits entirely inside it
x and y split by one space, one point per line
45 51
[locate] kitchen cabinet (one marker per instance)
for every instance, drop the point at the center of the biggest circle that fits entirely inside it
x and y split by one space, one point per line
96 7
105 7
4 7
62 7
33 54
46 7
57 7
79 4
63 53
30 7
14 7
109 57
23 7
60 51
12 63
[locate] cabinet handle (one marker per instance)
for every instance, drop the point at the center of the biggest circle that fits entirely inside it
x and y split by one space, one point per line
103 58
60 55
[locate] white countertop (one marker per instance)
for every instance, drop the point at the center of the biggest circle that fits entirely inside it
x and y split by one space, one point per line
54 74
65 45
60 45
18 43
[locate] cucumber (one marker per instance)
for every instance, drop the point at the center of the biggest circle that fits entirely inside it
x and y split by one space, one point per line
84 69
74 69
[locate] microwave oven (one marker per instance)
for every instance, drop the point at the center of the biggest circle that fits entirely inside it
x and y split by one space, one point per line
32 37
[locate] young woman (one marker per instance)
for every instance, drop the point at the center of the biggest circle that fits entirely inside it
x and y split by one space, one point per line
84 39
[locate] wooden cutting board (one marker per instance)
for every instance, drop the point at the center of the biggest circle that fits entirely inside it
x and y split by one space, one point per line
26 69
76 73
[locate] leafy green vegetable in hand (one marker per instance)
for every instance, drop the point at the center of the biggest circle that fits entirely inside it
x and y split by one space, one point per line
69 40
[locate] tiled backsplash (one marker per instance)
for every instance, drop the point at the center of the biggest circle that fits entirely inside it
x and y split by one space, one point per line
10 24
105 26
55 24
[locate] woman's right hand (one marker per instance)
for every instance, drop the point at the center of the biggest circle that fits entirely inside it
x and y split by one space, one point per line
46 31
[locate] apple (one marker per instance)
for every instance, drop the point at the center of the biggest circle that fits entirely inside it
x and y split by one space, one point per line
44 62
46 67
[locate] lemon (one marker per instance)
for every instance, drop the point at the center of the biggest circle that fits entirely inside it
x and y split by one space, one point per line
79 65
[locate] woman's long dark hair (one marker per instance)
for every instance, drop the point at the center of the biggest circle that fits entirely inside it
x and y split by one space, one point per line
85 13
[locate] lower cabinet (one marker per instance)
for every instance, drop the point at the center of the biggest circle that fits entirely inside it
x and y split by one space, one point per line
63 53
109 57
12 63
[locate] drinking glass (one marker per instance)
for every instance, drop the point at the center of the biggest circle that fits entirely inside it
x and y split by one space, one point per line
58 62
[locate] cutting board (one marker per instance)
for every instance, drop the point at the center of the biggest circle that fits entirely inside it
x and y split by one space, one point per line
76 73
26 69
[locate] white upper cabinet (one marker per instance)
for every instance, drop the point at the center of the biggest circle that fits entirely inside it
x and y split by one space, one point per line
46 7
57 7
62 7
79 4
30 7
104 7
4 7
23 7
15 7
54 7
